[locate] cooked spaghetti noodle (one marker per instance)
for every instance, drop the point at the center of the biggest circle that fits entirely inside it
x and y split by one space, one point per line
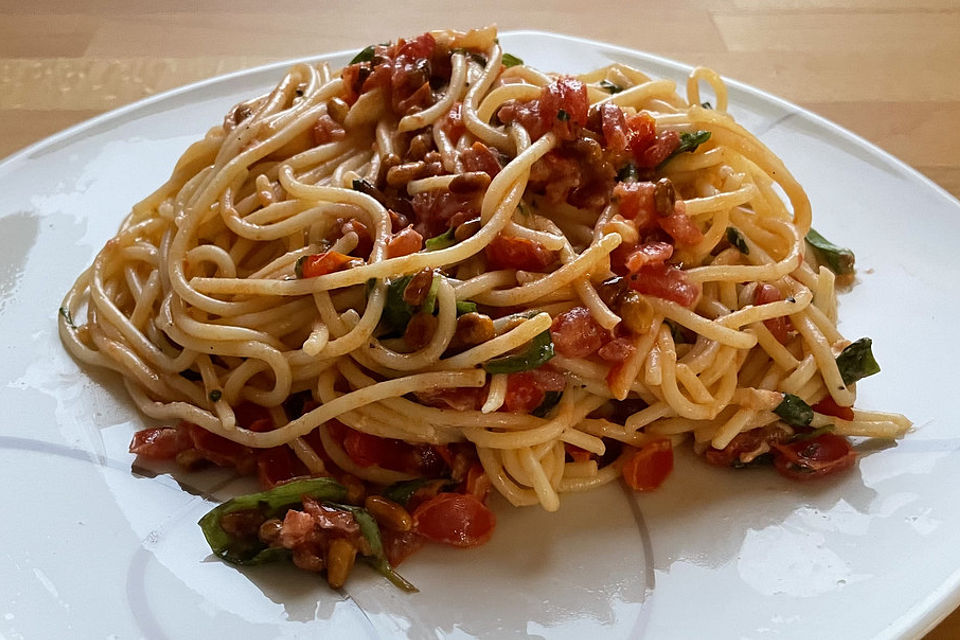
405 243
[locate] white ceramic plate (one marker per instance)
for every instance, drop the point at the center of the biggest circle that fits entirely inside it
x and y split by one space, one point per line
92 549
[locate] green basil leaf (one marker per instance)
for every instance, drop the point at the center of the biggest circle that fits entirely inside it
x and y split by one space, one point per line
857 361
429 304
396 312
736 239
537 353
441 241
837 259
66 316
465 306
550 400
810 435
706 105
611 87
365 55
794 411
377 558
688 142
510 60
562 115
628 173
269 504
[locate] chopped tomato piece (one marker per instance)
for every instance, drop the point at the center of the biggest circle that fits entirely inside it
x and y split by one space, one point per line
637 203
453 123
389 453
647 467
434 210
614 127
478 482
511 252
459 398
320 264
667 282
277 465
404 243
829 407
780 327
658 150
526 390
681 227
648 253
220 451
746 446
814 458
159 443
576 334
617 350
365 239
480 157
563 104
400 545
457 519
327 130
576 453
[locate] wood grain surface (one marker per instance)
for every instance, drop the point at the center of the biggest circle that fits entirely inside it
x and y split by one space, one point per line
888 70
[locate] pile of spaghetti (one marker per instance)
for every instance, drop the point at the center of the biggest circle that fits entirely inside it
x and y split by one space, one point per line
439 270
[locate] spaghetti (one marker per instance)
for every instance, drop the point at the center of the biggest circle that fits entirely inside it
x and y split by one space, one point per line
439 261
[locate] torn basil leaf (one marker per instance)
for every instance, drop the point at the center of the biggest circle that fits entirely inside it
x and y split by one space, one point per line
736 239
857 361
611 87
365 55
628 173
550 400
794 411
442 241
510 60
837 259
539 351
688 142
268 504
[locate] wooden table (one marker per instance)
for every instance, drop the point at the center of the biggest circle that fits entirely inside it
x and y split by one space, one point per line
886 69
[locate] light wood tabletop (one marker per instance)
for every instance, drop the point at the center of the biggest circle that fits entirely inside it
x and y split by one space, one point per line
887 69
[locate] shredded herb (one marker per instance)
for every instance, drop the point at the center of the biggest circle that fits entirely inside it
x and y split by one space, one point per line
562 115
298 267
476 57
611 87
550 400
465 306
66 316
510 60
706 105
688 142
857 361
396 312
537 353
736 239
441 241
274 503
365 55
215 395
837 259
628 173
429 304
794 411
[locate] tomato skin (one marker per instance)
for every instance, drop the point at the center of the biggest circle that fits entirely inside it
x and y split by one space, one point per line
681 227
576 334
511 252
457 519
648 253
159 443
648 467
477 482
829 407
277 465
667 282
779 327
320 264
814 458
